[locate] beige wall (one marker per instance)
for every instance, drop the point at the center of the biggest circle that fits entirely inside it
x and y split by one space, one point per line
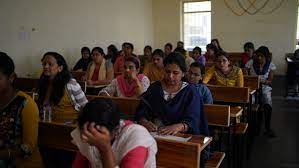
277 30
32 27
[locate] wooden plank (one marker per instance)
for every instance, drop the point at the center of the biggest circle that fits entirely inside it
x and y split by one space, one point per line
229 94
56 136
236 111
252 82
126 105
26 84
79 75
215 160
217 115
170 153
83 85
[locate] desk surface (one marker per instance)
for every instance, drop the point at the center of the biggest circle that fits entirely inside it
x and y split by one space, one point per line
96 86
201 141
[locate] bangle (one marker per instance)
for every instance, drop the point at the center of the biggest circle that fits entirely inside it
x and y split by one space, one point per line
8 150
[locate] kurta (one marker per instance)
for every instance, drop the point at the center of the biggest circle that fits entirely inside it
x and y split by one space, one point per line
216 77
153 72
186 106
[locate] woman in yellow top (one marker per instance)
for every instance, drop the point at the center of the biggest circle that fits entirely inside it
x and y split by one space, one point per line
99 71
223 73
18 121
154 69
58 90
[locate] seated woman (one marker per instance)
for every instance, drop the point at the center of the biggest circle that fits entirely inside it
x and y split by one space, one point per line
196 55
104 140
83 63
262 66
171 106
210 55
194 76
129 84
58 90
154 70
147 56
18 121
167 49
216 43
100 71
112 53
223 73
127 52
248 53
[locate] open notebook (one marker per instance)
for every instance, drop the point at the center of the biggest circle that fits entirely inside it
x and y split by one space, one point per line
171 137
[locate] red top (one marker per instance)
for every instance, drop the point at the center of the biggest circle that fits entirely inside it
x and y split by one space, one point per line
119 64
245 58
95 75
135 158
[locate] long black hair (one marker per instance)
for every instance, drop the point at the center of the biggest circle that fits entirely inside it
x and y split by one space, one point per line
58 84
7 66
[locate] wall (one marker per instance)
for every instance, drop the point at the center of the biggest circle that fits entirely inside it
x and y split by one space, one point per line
32 27
277 30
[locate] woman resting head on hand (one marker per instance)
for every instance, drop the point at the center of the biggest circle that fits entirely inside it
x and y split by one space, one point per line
104 140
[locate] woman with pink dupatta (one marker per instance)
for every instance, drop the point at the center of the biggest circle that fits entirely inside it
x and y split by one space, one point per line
129 84
104 140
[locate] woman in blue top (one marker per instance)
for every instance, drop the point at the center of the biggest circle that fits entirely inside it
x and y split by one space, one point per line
194 76
170 106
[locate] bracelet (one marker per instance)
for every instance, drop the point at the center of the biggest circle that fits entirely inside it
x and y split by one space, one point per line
8 150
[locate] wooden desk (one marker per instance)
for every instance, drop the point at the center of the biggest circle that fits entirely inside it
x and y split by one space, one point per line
56 135
26 84
96 86
181 154
78 75
236 111
94 89
225 94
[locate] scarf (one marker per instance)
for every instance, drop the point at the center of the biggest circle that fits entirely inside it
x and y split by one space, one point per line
125 89
102 73
264 70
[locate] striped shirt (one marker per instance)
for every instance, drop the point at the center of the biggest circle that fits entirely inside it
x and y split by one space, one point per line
77 95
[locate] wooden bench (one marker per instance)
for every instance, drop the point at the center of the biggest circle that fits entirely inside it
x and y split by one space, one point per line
170 153
218 116
83 85
126 105
78 75
26 84
215 160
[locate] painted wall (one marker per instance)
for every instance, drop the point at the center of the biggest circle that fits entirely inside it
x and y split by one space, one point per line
32 27
276 30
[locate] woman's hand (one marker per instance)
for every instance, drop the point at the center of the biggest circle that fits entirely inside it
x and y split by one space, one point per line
98 136
151 127
134 75
171 129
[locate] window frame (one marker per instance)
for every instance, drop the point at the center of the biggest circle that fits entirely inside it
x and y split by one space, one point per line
182 36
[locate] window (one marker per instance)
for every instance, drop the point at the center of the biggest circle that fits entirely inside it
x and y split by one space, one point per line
196 24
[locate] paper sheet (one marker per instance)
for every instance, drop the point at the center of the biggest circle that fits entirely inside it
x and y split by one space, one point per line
171 137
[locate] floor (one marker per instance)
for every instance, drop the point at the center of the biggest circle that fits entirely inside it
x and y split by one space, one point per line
283 151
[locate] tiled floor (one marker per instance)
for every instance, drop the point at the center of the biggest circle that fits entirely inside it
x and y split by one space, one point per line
283 151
